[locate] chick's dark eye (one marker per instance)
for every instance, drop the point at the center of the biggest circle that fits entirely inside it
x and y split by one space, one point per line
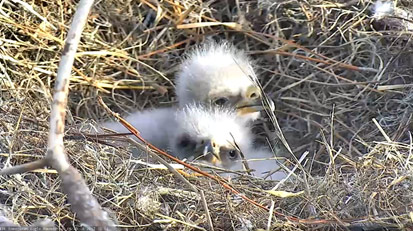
233 154
221 101
184 141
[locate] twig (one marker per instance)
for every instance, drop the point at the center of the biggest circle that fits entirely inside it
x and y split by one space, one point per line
83 203
382 131
270 215
303 156
179 221
25 167
253 34
208 215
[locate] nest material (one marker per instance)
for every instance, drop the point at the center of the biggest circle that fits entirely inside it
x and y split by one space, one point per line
357 170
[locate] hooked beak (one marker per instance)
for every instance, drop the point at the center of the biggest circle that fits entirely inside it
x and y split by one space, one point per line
254 106
211 153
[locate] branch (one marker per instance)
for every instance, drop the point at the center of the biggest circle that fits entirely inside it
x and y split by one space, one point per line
55 154
24 167
81 199
79 196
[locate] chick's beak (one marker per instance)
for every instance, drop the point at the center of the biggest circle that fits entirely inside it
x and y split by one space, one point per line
211 152
256 105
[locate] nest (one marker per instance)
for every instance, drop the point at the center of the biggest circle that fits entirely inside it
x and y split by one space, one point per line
344 94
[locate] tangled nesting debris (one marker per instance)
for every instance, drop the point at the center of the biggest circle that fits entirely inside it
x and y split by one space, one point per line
349 69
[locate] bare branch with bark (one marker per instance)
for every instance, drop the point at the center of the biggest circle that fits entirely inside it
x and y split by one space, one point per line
81 199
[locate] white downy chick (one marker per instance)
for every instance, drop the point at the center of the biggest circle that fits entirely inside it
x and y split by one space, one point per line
219 74
214 135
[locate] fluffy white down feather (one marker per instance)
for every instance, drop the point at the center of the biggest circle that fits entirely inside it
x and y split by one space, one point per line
383 8
163 126
154 125
218 124
214 70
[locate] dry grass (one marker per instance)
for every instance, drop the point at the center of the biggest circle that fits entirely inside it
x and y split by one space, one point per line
357 170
